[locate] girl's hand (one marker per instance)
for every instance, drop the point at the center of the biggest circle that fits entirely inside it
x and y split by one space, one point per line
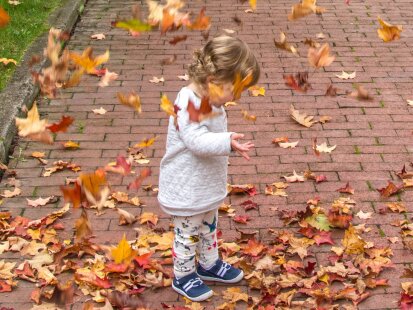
241 148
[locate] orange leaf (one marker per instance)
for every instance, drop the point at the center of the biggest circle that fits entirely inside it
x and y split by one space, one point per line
204 111
241 85
389 190
62 126
167 21
178 39
93 182
72 194
145 143
132 100
242 219
4 17
320 57
122 166
201 22
148 217
253 248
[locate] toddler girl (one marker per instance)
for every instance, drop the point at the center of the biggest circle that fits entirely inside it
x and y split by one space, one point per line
193 171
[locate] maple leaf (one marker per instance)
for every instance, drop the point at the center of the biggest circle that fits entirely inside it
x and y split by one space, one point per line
286 145
32 127
83 227
323 148
242 219
249 205
5 270
346 76
304 8
178 39
10 194
320 57
352 242
87 61
145 142
253 248
294 178
364 215
107 77
134 26
98 36
201 22
148 217
319 221
388 32
256 91
361 94
125 218
204 111
123 252
248 117
4 17
301 118
346 189
122 166
39 201
389 190
234 294
100 111
167 106
131 100
157 80
71 145
241 189
398 207
62 126
241 84
136 184
283 44
89 277
299 82
323 237
7 61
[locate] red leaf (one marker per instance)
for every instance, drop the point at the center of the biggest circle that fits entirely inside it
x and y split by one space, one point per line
117 268
178 39
72 194
145 172
62 126
309 269
389 190
143 260
122 166
308 231
339 220
323 237
320 178
249 205
299 82
198 115
346 189
254 248
243 219
406 301
4 287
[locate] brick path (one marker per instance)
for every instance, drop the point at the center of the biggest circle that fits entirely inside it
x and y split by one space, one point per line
373 138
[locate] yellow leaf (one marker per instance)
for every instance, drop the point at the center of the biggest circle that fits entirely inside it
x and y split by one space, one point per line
131 100
167 106
148 217
388 32
234 294
6 61
145 143
123 252
87 61
253 4
352 242
256 91
71 145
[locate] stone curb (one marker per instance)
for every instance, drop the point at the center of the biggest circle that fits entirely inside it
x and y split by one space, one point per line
20 90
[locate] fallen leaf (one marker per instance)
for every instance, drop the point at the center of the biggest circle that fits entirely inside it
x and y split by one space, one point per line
346 76
285 145
323 148
301 118
242 219
10 194
388 32
234 294
125 218
249 205
280 139
122 166
397 207
131 100
100 111
71 145
393 239
331 91
294 178
283 44
389 190
123 252
320 57
364 215
346 189
39 201
157 80
304 8
7 61
247 116
62 126
6 270
148 217
145 142
83 227
107 78
4 17
410 102
98 36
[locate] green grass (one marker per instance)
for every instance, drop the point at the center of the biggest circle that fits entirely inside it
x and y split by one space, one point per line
28 20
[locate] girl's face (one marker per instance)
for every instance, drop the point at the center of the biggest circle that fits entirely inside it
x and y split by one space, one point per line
226 94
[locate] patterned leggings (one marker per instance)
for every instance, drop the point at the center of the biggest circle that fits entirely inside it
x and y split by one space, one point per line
197 232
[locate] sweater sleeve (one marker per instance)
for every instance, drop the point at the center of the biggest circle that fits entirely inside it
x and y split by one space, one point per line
196 136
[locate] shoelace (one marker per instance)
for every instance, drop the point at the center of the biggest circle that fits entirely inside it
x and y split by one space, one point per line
223 269
192 283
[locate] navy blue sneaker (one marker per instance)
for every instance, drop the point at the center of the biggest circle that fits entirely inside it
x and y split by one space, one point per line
221 272
192 287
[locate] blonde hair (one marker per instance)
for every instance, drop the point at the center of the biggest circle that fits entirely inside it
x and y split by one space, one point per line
223 58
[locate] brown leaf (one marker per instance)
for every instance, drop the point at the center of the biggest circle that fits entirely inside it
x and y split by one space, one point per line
389 190
125 218
301 118
320 57
283 44
346 189
178 39
83 227
361 94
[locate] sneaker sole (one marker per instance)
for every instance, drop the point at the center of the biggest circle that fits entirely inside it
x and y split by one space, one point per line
235 280
199 298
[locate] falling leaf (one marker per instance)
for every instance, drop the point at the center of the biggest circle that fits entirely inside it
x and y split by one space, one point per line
283 44
169 60
167 106
204 111
311 43
201 22
71 145
324 119
178 39
123 252
331 91
32 127
136 184
294 178
230 103
39 201
248 117
83 227
4 18
62 126
304 8
157 80
131 100
299 82
364 215
346 76
320 57
256 91
397 207
98 36
410 102
122 166
388 32
286 145
148 217
145 142
87 61
184 77
346 189
229 31
107 78
361 94
14 2
10 194
240 84
134 26
6 61
100 111
125 218
301 118
320 35
389 190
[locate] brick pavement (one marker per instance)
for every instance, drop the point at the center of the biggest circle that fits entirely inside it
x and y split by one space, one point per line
373 138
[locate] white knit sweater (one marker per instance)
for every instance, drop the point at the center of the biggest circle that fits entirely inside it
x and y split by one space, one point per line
193 171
